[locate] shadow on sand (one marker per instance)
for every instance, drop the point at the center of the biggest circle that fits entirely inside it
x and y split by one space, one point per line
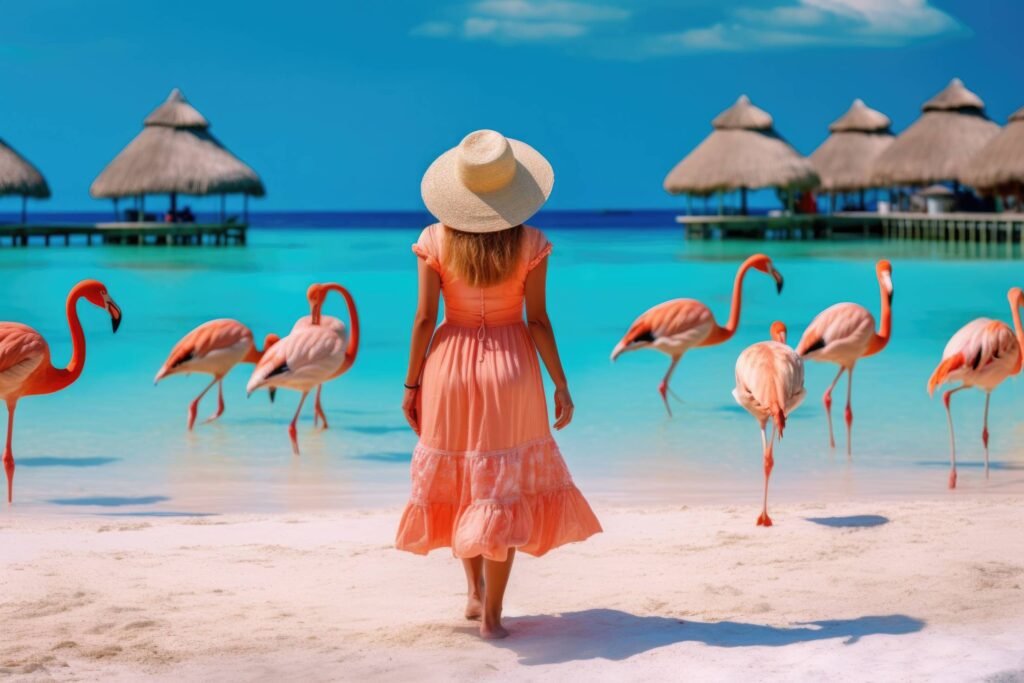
50 461
851 521
614 635
109 501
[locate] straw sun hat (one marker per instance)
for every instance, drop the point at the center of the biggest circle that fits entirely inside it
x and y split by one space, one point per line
487 183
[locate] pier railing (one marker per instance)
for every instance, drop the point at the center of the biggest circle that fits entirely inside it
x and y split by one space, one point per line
981 228
132 233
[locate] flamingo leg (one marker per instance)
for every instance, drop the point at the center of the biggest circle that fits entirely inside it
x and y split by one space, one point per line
663 387
827 400
769 462
849 412
952 439
220 402
194 406
318 409
8 452
292 432
984 431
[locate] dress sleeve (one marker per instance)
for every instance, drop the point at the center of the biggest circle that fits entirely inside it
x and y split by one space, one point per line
539 248
426 248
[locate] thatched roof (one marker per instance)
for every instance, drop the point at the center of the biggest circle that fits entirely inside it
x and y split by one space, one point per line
743 151
939 145
844 160
1000 163
175 153
19 176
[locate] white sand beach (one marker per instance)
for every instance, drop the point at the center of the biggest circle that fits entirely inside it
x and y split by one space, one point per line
927 590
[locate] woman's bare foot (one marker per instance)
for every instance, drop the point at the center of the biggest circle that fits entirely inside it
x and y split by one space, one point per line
491 628
474 607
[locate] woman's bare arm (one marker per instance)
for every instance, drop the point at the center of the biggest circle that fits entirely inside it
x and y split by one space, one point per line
543 335
422 330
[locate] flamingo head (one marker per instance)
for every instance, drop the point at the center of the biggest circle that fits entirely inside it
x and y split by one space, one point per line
1016 297
95 292
884 270
778 331
764 264
315 295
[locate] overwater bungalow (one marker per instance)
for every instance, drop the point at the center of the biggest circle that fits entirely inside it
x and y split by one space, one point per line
176 154
743 152
952 129
844 159
18 176
998 168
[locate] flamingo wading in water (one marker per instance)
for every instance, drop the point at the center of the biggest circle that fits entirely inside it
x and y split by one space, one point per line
843 334
770 385
676 326
213 348
316 294
981 354
25 366
302 361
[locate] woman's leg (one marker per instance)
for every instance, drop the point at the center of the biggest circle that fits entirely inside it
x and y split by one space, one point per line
495 579
474 567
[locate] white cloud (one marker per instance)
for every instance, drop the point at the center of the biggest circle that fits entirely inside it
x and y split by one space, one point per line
645 28
863 23
511 21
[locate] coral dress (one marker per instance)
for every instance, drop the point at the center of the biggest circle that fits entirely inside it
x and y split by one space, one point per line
487 474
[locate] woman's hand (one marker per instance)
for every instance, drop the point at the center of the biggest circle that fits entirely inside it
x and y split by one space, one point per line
409 407
563 407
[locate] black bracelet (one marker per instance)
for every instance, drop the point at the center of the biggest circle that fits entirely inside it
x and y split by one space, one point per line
414 386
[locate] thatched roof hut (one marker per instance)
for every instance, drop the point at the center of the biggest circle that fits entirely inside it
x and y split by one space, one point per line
938 146
18 175
742 152
999 166
844 160
175 153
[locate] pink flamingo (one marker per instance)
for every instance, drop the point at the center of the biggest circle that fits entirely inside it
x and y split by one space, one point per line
769 384
843 334
676 326
213 348
302 361
981 354
25 366
316 294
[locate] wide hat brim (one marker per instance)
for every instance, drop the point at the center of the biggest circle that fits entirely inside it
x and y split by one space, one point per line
458 207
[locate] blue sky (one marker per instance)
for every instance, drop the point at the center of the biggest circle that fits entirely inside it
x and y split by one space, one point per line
343 105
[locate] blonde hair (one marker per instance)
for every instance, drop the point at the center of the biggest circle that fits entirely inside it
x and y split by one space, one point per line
483 259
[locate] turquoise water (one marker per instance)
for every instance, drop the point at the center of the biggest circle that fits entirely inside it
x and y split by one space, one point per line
115 444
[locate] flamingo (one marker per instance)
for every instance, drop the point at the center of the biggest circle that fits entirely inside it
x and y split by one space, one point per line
303 360
770 385
981 354
674 327
213 348
844 333
316 294
25 366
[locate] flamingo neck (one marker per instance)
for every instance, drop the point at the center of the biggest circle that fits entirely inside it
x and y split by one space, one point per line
1015 307
59 378
725 332
881 338
353 315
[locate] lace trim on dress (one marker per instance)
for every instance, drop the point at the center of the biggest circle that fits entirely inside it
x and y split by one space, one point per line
428 450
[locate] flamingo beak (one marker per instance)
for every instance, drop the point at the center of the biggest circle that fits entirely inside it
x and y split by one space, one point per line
273 392
777 276
114 311
887 283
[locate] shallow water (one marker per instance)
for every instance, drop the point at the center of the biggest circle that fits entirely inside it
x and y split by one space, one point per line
115 444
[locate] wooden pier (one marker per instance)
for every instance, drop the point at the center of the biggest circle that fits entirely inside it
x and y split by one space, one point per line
979 228
134 233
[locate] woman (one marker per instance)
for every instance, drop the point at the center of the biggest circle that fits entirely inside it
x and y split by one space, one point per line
487 477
